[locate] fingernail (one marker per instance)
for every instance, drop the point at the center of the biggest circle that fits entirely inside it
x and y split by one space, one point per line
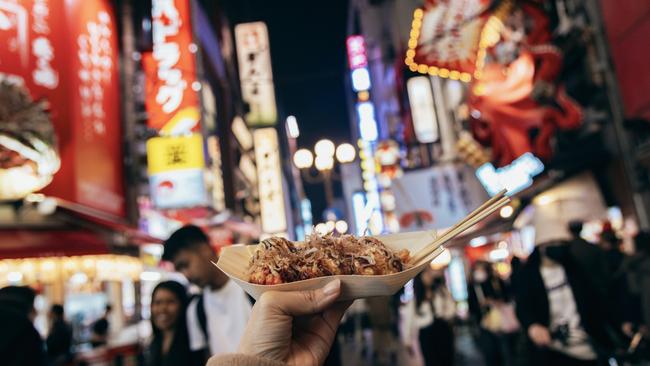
332 287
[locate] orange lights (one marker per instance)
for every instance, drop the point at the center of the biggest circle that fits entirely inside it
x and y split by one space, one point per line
363 96
489 35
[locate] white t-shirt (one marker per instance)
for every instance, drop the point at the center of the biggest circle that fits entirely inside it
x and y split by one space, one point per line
564 312
227 311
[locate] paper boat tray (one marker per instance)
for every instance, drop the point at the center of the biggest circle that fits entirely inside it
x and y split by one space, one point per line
234 261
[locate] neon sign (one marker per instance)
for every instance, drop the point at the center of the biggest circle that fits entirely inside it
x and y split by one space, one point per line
514 177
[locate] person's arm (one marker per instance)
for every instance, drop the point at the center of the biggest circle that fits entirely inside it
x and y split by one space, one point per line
243 360
294 327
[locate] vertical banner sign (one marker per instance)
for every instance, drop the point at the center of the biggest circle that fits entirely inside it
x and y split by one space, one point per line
254 57
94 82
175 167
269 172
425 122
65 53
171 102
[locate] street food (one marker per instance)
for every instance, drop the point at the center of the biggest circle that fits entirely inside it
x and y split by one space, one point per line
278 260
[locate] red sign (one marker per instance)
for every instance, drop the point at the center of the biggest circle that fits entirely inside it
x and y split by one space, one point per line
65 52
171 102
357 57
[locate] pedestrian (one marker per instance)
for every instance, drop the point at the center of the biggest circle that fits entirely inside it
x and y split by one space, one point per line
100 329
170 345
272 338
637 271
216 319
428 319
20 342
563 311
59 339
611 245
490 303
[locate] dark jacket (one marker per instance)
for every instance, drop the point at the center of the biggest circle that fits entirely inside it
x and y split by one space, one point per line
20 343
59 342
583 275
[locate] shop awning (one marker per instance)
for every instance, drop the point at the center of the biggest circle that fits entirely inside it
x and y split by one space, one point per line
22 243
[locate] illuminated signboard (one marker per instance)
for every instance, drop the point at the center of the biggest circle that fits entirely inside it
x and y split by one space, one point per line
171 100
425 122
370 217
514 177
256 78
176 169
356 46
269 175
65 54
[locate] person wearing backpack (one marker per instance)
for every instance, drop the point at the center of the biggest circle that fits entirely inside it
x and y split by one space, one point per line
216 319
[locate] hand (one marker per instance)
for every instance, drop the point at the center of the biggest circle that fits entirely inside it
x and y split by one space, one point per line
295 327
539 335
627 329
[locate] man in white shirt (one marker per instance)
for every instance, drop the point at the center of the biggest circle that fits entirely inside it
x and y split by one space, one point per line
216 319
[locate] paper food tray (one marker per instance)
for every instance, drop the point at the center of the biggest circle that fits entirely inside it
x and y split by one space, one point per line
234 262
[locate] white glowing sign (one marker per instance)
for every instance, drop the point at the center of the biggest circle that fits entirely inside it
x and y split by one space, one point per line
254 56
423 111
269 174
514 177
96 59
367 122
360 79
167 53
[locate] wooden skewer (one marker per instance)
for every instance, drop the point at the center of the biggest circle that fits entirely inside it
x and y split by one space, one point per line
436 252
473 219
481 208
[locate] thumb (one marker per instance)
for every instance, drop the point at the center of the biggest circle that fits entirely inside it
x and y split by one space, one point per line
298 303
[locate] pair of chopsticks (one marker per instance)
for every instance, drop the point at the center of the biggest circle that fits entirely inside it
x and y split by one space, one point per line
483 211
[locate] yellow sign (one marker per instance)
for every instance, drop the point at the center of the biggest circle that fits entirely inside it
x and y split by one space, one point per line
165 154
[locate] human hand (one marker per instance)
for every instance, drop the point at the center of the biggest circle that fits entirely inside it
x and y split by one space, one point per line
296 327
628 329
540 335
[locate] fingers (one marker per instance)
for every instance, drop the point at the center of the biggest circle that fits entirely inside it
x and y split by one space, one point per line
298 303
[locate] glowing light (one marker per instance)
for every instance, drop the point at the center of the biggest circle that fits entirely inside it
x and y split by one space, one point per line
363 95
324 147
477 242
360 79
423 69
506 211
196 86
14 277
498 254
368 130
292 127
345 153
341 227
78 278
321 229
150 276
413 67
330 226
303 159
442 260
324 162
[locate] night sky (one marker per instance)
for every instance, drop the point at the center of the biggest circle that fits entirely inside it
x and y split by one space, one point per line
309 67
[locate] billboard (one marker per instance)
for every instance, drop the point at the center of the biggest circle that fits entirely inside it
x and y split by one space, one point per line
171 100
269 173
255 74
176 169
65 53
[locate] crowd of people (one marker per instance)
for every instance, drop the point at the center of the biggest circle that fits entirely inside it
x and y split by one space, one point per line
569 302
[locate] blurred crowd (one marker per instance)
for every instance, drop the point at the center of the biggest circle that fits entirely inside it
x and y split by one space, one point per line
570 302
